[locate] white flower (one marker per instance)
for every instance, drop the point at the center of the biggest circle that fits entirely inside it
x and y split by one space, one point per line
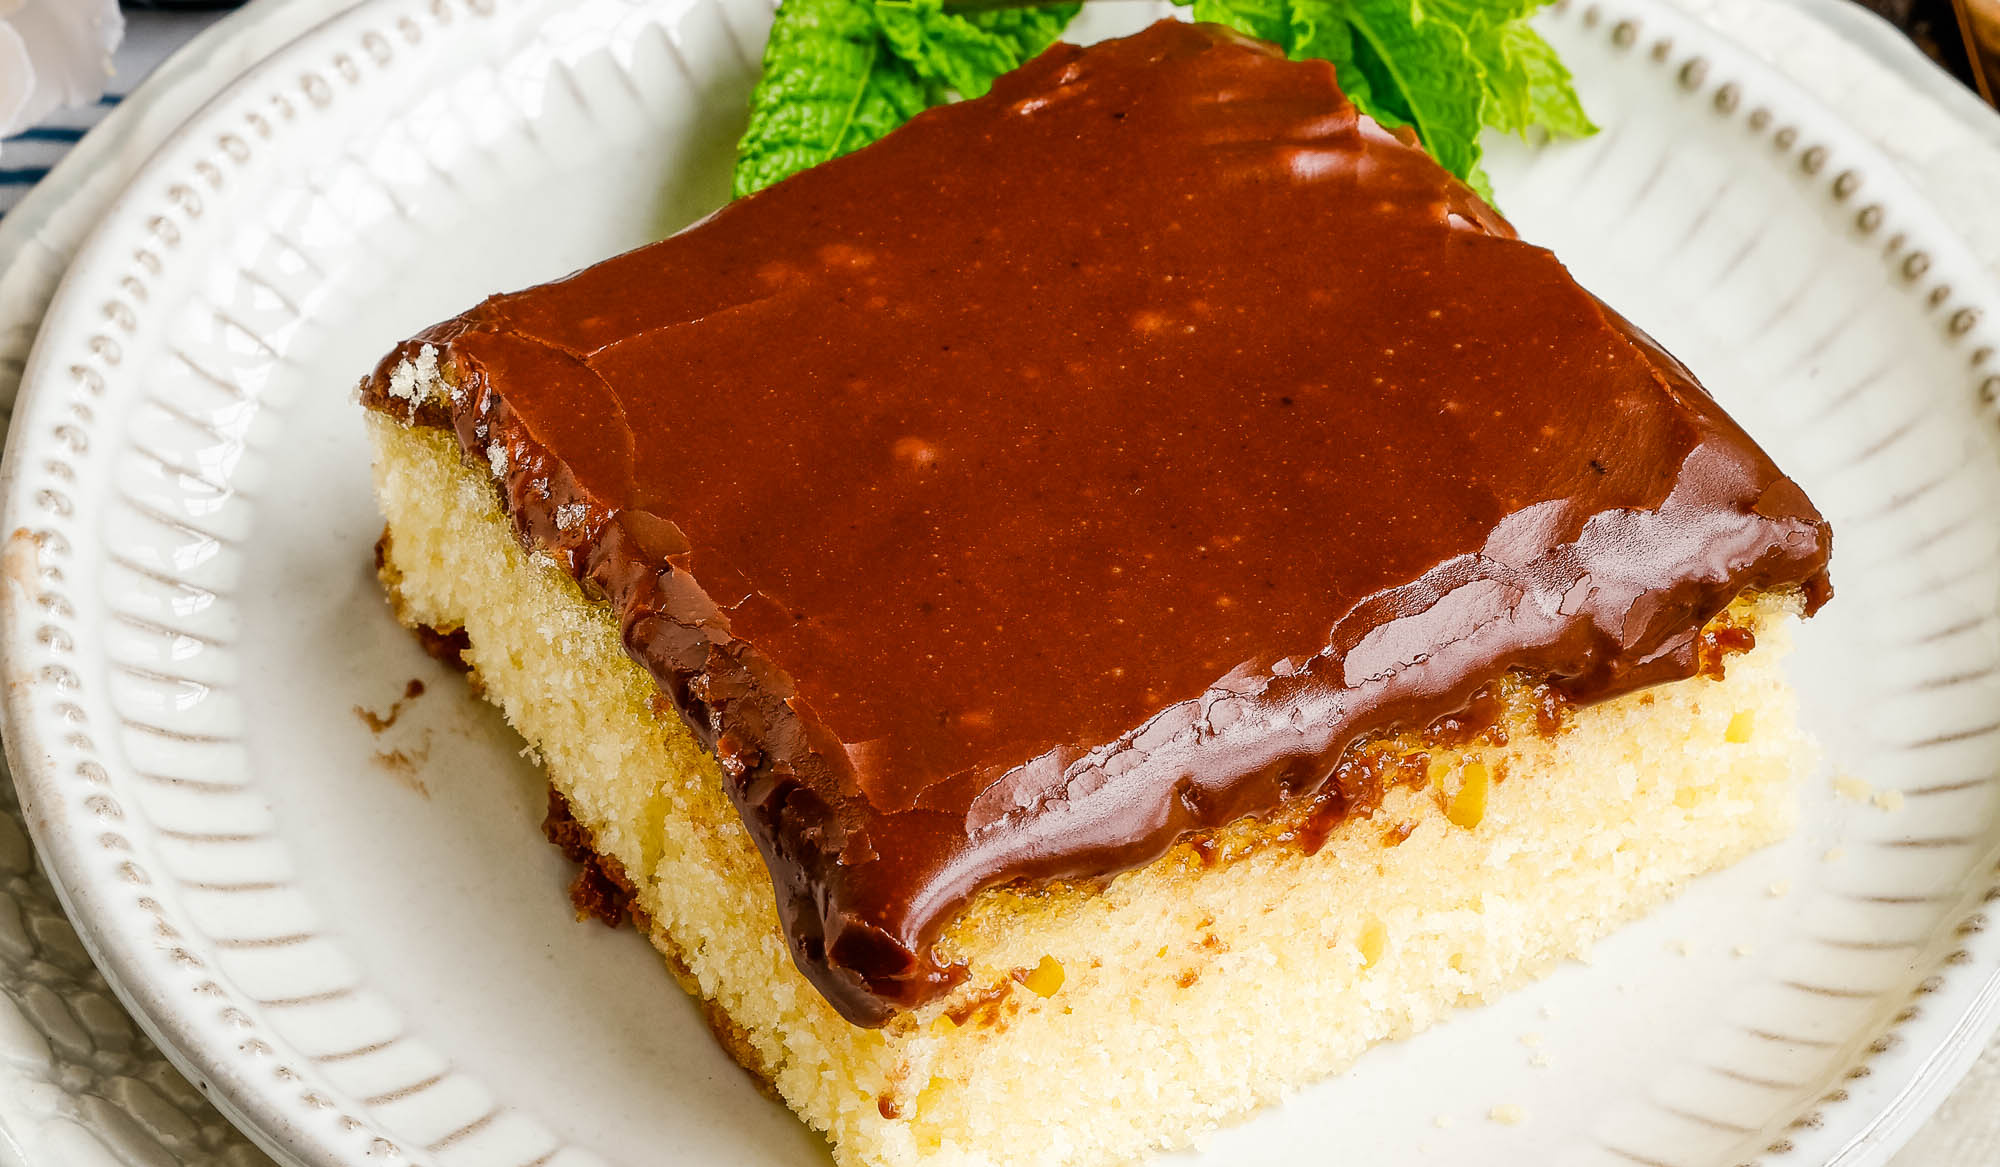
53 52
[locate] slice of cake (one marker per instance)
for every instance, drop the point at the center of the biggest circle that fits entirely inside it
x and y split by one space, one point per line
1086 614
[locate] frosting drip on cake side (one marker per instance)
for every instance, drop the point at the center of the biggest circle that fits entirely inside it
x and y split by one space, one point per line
1093 463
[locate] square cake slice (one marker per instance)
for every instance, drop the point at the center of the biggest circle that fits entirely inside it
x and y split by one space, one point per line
1082 616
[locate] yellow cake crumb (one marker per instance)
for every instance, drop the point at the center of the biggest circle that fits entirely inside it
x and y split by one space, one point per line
1374 938
1468 805
1046 979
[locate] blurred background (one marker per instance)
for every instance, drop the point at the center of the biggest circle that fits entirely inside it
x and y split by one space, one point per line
1961 35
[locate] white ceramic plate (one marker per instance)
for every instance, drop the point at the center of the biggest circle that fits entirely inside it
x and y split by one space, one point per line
358 942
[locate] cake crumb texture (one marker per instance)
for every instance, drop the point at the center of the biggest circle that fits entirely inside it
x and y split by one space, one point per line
1096 1026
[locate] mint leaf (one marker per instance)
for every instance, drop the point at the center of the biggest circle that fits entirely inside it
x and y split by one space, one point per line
839 74
964 52
1446 68
1474 15
831 85
1303 28
1385 103
1527 84
1320 29
1269 20
1428 62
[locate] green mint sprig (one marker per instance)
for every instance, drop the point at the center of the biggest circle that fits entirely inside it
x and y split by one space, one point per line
839 74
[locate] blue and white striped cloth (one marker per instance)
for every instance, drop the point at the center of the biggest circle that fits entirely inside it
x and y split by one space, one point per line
150 37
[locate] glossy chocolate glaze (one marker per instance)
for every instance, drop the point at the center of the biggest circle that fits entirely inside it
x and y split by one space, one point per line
1092 464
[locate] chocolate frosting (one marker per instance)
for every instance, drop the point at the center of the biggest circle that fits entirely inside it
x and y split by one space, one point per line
1094 463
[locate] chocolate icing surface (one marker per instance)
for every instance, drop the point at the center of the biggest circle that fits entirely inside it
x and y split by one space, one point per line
1094 463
